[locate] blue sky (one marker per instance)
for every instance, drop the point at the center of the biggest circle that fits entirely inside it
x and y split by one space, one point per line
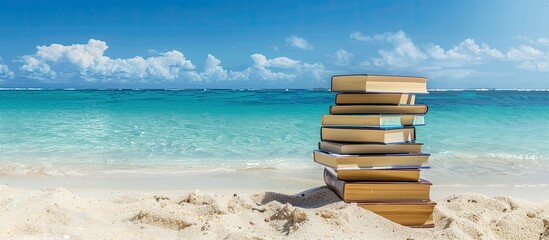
277 44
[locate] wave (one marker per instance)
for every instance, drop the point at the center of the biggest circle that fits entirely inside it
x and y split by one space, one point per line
47 169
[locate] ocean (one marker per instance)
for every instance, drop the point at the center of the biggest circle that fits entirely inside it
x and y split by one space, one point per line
486 138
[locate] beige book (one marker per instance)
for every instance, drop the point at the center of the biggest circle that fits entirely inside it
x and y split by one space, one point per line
395 175
368 191
367 135
369 148
411 214
387 161
380 120
375 98
378 109
365 83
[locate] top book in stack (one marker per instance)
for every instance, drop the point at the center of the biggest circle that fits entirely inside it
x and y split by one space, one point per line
364 83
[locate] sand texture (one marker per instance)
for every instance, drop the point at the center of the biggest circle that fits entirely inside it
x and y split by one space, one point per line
56 213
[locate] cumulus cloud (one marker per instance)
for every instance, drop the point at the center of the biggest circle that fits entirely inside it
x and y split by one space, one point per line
5 71
213 69
342 57
280 68
262 68
524 52
89 62
57 62
468 50
298 42
529 58
455 62
403 54
542 41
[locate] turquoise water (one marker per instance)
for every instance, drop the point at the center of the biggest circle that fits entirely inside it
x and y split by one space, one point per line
485 137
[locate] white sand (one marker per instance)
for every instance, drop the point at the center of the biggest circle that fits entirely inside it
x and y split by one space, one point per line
57 213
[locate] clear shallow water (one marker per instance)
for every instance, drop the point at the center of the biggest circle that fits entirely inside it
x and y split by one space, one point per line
475 137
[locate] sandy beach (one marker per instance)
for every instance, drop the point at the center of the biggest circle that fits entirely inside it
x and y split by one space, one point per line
236 205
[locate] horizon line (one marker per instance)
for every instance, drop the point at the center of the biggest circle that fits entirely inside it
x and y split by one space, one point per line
250 89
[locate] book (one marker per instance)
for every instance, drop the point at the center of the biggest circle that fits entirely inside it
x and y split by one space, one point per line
375 98
381 120
358 174
365 83
382 161
368 191
367 135
369 148
378 109
411 214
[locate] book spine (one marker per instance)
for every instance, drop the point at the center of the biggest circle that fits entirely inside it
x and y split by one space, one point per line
321 139
334 184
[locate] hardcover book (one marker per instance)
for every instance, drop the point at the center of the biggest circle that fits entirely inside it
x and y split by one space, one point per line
367 135
375 98
378 109
358 174
381 120
411 214
364 83
370 191
387 161
369 148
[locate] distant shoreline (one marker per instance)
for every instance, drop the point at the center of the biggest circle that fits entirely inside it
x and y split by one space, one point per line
262 89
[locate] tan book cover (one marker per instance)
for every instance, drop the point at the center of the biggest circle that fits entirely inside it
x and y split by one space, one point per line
411 214
357 174
365 83
377 120
375 98
387 161
378 109
367 135
373 191
369 148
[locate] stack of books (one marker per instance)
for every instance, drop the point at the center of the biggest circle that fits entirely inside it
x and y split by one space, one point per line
369 150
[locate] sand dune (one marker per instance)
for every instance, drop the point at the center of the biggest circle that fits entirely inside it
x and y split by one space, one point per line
317 213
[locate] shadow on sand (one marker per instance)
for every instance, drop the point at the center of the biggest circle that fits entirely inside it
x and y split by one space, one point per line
311 198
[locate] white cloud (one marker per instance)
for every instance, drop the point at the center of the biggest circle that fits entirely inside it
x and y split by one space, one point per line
529 58
543 41
357 36
523 52
263 68
540 66
456 62
282 68
404 53
213 69
342 57
5 71
298 42
468 50
89 61
316 70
